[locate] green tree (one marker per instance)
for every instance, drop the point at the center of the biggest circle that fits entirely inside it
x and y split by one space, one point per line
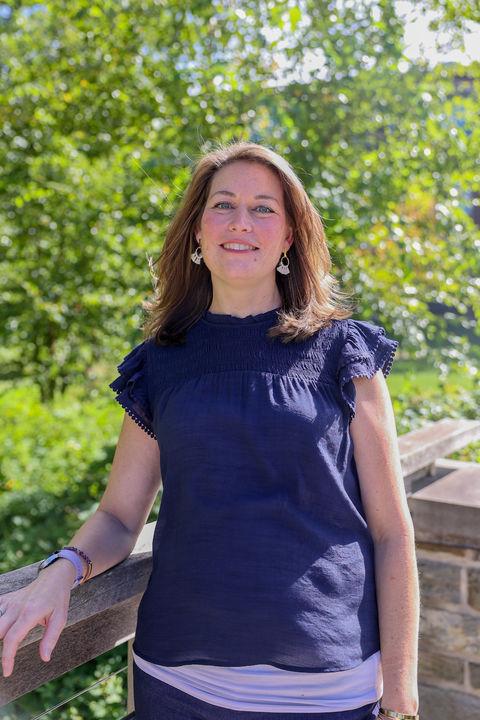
98 96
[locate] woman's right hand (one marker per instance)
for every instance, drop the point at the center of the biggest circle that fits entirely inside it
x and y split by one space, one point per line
45 602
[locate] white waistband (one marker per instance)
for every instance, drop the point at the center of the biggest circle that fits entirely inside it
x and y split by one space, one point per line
266 688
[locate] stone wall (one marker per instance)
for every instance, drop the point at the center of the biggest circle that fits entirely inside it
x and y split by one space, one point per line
446 516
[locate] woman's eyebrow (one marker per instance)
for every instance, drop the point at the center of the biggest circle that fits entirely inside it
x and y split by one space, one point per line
227 192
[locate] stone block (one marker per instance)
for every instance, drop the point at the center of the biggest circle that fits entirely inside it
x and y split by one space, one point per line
446 704
444 631
434 666
439 582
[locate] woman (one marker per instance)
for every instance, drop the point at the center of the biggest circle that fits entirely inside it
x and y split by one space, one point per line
284 580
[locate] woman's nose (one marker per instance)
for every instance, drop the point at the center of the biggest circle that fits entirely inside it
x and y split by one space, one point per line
240 219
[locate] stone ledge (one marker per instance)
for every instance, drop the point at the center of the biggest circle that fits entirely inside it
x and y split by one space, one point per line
448 510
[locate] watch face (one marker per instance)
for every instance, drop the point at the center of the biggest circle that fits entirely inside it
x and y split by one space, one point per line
48 561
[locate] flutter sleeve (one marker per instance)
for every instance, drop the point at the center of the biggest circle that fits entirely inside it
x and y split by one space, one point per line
131 387
365 350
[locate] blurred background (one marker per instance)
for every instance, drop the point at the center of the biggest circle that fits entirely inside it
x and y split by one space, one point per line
104 108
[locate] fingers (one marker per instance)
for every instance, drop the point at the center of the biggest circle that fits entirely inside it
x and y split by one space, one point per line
44 602
55 625
15 624
13 637
6 620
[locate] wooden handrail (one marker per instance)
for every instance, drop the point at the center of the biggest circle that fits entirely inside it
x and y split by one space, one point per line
102 613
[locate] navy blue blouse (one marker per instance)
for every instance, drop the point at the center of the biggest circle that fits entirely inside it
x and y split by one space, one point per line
261 551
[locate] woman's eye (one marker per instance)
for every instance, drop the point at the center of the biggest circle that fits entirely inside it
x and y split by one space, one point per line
225 202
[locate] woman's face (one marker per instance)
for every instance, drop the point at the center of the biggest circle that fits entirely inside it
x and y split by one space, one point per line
234 213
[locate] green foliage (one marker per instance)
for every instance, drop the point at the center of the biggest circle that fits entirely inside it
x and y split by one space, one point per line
55 460
105 106
454 18
421 396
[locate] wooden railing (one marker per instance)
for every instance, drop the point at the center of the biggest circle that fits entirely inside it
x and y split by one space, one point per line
103 612
101 616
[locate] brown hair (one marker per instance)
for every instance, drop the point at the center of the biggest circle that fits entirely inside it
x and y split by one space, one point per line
183 289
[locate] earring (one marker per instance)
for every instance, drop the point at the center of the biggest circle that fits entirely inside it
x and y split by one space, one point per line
197 255
282 267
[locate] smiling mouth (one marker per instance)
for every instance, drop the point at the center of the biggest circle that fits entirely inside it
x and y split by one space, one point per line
238 248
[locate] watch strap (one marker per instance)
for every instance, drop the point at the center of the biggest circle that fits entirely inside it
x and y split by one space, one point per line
67 555
397 715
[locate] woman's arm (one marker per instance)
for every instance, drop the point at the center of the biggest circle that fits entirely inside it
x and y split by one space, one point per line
110 534
377 458
107 537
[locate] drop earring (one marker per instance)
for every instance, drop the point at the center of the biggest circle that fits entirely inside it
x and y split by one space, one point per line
283 267
197 255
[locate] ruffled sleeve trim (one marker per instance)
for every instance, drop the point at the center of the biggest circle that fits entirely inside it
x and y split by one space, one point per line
131 387
366 349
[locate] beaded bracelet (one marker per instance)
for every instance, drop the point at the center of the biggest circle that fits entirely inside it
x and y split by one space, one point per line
85 557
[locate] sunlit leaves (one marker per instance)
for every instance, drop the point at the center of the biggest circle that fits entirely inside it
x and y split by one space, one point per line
104 107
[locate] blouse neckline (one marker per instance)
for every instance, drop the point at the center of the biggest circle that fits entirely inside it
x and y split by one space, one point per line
226 319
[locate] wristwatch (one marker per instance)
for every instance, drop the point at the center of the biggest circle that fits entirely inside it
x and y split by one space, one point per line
56 556
397 715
